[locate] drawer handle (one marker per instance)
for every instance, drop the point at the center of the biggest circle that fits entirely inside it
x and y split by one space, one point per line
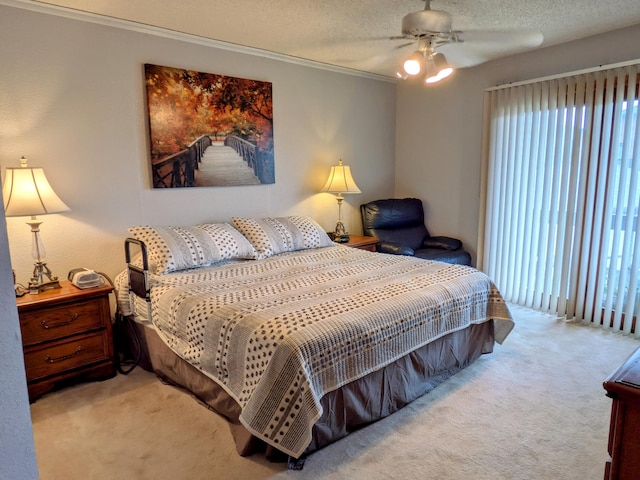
48 359
73 318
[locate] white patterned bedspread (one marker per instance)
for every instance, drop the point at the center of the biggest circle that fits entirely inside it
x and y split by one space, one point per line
281 332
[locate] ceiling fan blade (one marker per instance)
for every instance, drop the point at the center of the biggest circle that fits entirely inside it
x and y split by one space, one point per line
382 62
477 47
517 38
461 55
359 54
404 45
357 40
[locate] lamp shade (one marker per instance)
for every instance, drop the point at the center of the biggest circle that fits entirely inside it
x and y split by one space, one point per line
26 192
340 180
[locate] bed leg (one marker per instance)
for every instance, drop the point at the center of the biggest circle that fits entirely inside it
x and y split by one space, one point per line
296 463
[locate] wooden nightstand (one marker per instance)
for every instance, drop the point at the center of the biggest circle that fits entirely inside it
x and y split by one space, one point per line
363 243
66 337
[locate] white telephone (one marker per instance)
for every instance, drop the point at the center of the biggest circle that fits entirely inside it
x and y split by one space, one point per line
85 278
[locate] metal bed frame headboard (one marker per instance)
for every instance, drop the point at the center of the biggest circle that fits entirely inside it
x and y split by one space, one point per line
138 276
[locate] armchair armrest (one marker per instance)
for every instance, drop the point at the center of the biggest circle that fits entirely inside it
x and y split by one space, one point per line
395 248
444 243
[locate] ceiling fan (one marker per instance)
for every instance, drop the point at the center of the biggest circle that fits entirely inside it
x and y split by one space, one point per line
440 48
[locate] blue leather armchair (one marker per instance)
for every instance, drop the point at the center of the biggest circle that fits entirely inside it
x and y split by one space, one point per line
399 225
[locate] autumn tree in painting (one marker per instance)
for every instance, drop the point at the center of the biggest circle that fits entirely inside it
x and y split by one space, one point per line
184 105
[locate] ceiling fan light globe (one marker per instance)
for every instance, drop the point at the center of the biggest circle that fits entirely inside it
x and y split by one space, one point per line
411 67
437 68
444 73
413 64
440 76
439 61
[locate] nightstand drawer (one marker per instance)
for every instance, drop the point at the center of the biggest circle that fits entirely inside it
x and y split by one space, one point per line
60 321
72 353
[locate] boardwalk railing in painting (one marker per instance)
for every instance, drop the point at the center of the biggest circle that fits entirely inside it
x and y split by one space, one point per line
178 170
258 160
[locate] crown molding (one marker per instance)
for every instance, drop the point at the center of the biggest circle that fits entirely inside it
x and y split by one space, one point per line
37 6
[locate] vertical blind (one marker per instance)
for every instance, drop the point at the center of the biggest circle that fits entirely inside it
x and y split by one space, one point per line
561 196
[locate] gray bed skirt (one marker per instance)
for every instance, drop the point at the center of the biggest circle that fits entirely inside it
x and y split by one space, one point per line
347 409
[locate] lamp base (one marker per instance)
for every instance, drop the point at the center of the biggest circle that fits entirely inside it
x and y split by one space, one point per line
340 234
35 288
38 283
341 238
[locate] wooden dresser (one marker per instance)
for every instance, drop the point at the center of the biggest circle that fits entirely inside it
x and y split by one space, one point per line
66 337
623 386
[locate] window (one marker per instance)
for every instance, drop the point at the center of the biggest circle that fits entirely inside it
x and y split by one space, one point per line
561 195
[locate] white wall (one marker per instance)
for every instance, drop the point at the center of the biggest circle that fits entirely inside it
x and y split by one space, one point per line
72 101
439 128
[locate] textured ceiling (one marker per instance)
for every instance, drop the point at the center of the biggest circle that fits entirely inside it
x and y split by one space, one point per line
355 33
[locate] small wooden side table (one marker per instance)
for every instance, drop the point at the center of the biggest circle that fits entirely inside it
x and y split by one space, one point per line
363 243
66 336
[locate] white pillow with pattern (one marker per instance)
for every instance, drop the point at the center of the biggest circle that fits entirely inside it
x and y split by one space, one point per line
171 249
273 235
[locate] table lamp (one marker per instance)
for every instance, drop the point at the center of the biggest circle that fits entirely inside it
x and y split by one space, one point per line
27 192
341 182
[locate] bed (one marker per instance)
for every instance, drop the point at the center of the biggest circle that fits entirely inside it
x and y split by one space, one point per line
298 341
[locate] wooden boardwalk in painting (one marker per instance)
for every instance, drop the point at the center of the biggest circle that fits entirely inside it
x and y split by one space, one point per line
222 166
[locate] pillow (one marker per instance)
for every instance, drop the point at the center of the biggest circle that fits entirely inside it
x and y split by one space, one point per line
270 235
171 249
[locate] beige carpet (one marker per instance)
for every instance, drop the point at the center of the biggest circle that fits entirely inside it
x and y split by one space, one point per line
533 409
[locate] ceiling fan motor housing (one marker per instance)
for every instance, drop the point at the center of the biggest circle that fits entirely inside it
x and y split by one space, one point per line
425 23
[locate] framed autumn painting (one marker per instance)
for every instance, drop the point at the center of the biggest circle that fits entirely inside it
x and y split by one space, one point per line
207 129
